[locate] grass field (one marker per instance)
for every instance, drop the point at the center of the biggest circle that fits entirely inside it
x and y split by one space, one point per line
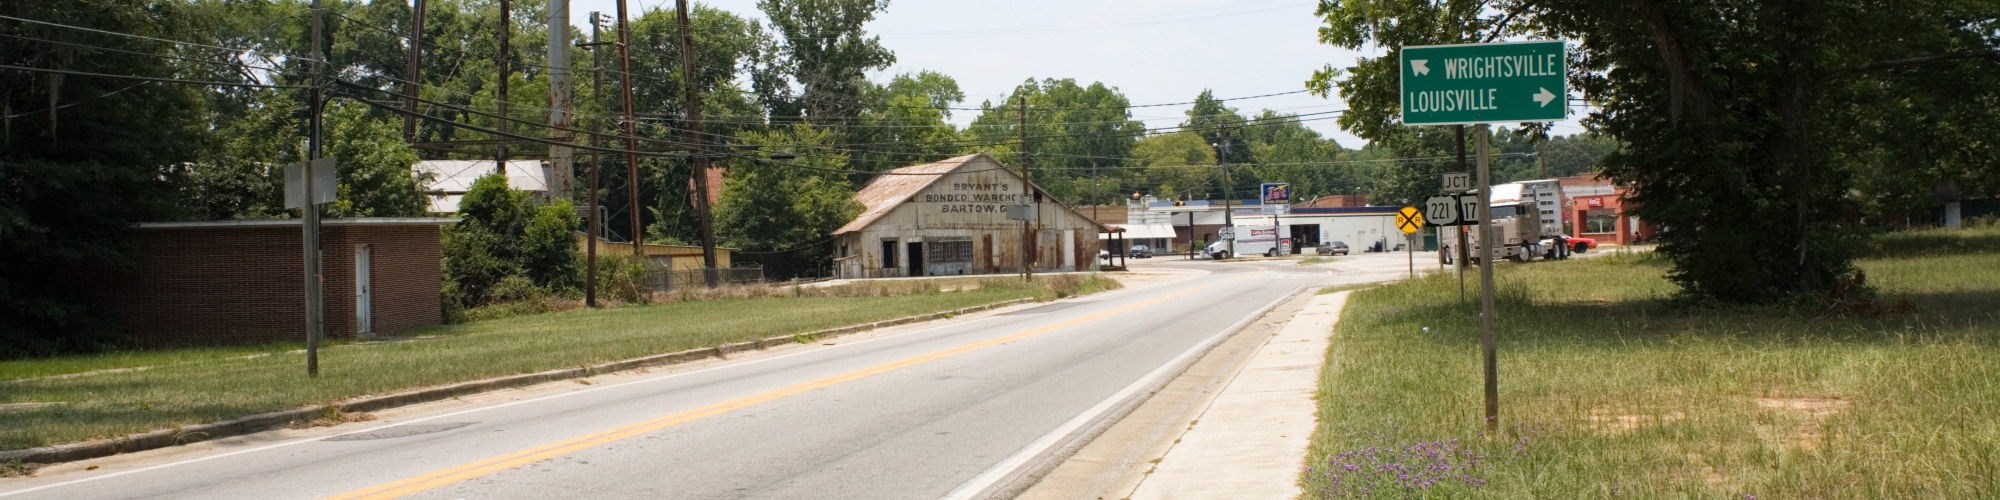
1607 391
122 393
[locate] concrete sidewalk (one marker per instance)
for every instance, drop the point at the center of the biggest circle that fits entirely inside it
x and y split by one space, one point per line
1251 441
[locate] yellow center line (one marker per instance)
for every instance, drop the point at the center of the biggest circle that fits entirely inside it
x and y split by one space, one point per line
448 476
1259 270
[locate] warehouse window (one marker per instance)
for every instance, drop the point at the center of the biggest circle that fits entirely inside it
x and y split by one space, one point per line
951 251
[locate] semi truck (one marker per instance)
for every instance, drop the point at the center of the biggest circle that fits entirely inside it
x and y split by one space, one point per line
1517 230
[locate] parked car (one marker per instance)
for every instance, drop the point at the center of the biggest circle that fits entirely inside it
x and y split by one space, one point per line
1333 248
1140 252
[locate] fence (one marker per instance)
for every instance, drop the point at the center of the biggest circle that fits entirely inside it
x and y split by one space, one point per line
661 279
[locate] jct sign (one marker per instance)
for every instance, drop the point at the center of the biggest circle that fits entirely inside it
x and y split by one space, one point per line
1484 83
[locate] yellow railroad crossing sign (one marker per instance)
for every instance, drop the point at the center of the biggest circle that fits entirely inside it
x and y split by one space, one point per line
1409 219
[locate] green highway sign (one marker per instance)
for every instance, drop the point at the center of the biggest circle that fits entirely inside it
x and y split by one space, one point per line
1484 83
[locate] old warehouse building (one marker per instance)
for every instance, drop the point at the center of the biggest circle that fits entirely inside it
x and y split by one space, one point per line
950 218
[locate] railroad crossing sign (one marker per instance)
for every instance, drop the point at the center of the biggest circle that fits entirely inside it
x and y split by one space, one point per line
1409 219
1484 83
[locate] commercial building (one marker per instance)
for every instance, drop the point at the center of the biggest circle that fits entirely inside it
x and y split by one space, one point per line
234 282
1596 208
950 218
1307 225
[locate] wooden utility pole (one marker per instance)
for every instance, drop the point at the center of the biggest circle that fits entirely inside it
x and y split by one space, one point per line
413 73
698 159
596 143
506 25
1486 258
631 135
1027 194
1458 261
561 166
315 281
1228 195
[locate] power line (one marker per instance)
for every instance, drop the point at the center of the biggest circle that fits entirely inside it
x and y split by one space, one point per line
153 79
94 30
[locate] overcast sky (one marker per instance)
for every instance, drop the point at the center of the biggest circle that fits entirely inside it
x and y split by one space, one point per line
1155 51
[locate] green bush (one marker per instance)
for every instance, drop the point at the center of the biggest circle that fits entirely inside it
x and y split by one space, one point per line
506 234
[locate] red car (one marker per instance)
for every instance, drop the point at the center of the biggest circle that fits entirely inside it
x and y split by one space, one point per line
1579 244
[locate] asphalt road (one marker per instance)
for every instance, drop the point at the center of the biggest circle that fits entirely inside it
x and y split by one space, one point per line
943 411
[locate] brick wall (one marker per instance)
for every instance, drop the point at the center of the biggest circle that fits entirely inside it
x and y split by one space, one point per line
211 285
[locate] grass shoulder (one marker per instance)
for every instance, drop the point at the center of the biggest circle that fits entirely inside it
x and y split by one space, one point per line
1609 389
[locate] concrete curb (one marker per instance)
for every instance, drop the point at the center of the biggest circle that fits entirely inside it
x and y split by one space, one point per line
279 419
1017 482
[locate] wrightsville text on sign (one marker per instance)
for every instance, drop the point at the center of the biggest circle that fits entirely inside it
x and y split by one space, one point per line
1483 83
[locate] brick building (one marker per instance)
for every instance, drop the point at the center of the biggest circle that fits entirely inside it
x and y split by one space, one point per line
235 282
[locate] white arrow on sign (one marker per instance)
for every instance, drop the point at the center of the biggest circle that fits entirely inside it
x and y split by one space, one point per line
1545 97
1417 65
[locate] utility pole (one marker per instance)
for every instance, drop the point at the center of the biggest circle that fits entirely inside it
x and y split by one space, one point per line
597 144
413 73
1228 197
1458 262
1486 317
506 18
1027 194
631 134
315 281
698 160
560 157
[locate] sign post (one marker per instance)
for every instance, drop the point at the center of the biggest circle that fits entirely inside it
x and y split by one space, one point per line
1410 221
1277 199
1478 84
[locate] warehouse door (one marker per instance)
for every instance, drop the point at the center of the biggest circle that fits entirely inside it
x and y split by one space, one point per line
916 258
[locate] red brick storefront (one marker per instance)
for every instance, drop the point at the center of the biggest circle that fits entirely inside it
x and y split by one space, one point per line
234 282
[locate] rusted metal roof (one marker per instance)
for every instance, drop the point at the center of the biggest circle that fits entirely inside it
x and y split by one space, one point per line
888 191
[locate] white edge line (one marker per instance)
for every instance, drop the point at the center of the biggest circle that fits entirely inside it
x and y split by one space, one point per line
457 413
984 480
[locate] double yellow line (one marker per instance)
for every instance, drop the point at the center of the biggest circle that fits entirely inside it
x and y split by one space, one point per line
444 477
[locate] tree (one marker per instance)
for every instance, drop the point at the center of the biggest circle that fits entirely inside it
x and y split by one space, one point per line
503 233
822 46
82 158
1177 165
1743 122
1077 137
781 215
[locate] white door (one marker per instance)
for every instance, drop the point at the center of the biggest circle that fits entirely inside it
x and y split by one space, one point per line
363 299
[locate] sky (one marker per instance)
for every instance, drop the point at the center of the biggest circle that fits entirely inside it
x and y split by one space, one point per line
1154 51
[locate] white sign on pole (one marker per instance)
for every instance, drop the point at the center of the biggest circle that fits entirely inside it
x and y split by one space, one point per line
1457 182
1441 210
326 187
1277 209
1021 212
1468 209
1227 233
